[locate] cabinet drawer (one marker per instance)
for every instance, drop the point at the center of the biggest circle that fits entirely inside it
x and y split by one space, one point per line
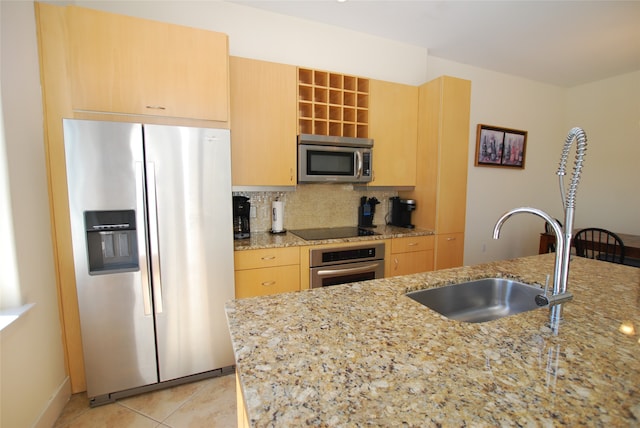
268 257
272 280
412 243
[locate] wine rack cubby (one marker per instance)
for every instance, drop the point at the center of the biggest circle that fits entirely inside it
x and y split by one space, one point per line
332 104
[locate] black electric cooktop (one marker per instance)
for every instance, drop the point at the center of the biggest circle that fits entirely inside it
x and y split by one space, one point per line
333 233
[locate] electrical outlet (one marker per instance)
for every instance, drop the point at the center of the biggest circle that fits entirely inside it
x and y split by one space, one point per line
484 247
252 212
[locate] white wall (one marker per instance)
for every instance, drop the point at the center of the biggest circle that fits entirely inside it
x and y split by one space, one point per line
609 111
33 383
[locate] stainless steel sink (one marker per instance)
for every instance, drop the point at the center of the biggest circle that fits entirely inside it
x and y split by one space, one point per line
480 300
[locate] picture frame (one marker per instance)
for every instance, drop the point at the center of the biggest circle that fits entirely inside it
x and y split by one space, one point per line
500 147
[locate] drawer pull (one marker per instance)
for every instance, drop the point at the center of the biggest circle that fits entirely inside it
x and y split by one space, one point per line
268 283
451 239
268 257
156 107
412 244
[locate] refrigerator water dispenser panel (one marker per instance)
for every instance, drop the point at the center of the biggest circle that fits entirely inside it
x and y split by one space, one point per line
112 245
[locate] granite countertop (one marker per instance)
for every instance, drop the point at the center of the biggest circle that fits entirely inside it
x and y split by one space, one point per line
365 354
276 240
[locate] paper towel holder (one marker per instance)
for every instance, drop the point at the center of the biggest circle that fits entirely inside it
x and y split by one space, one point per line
277 217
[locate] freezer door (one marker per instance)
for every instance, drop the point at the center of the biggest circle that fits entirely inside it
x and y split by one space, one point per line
191 246
104 173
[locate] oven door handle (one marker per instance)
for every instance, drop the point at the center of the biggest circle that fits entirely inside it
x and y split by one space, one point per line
344 271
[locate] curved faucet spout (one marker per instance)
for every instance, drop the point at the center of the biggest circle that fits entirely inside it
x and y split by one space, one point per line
559 284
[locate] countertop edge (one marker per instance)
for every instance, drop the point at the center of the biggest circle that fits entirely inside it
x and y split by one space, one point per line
263 240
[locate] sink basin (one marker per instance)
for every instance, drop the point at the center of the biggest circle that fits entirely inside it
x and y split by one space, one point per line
479 300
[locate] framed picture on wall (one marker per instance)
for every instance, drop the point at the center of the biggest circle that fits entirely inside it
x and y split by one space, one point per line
500 147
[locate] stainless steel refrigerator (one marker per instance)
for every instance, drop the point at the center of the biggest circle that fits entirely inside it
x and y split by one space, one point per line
151 225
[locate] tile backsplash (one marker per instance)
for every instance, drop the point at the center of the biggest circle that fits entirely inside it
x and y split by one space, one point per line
317 205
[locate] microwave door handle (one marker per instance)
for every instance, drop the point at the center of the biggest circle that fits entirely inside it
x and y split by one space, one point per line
359 162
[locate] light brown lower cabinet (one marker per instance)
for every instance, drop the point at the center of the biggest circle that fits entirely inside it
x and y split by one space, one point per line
266 271
243 419
449 250
410 255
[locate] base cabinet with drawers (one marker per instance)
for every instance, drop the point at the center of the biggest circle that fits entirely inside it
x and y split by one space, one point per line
266 271
410 255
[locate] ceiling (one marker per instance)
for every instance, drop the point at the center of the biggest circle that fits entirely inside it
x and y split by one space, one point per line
564 43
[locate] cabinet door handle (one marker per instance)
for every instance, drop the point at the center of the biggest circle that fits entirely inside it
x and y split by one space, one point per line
395 261
156 107
451 239
268 283
268 258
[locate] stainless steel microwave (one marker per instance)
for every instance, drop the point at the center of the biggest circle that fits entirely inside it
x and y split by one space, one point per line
327 159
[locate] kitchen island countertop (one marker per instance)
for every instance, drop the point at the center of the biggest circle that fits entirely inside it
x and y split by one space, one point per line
365 354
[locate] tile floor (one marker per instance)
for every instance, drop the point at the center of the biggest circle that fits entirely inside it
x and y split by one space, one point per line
207 403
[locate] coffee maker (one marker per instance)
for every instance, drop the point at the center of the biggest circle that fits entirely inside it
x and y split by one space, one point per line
241 211
400 212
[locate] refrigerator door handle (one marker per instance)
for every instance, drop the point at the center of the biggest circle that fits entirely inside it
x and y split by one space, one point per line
142 252
154 245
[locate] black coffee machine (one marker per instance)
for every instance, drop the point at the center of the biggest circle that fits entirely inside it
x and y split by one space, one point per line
366 210
400 212
241 212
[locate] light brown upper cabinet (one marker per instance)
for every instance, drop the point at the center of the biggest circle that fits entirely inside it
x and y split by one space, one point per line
442 159
125 65
263 123
393 125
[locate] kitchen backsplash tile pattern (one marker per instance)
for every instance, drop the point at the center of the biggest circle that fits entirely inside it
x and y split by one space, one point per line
317 205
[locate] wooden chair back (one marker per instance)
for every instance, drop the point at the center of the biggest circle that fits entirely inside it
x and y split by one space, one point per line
600 244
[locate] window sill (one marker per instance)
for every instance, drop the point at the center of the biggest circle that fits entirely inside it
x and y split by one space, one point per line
8 316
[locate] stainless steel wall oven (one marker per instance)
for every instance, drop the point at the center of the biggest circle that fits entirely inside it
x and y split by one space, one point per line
340 265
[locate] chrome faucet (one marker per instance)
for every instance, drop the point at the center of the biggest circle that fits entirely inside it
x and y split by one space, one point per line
563 237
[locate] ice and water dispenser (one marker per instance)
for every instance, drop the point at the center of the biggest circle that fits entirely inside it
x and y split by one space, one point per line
112 245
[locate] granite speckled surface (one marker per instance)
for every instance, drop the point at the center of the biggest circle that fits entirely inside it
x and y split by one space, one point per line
365 354
270 240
